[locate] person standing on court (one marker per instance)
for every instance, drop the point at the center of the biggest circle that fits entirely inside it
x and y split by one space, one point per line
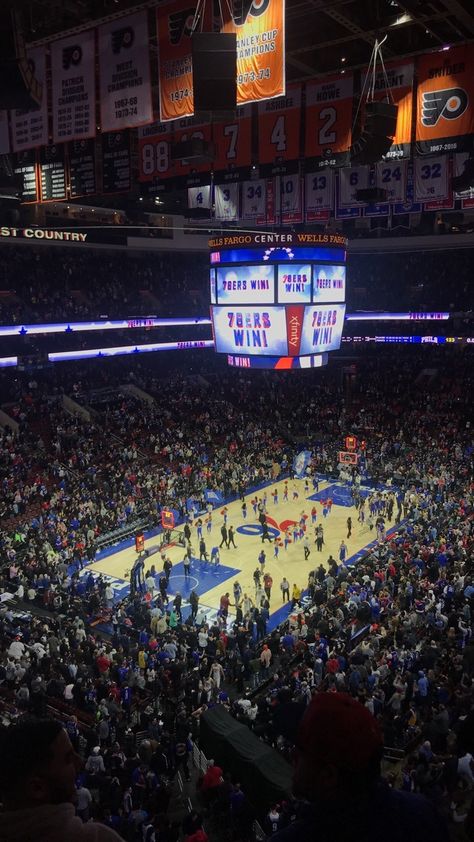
349 527
267 585
261 560
186 566
202 550
194 603
265 533
167 568
306 547
285 589
319 538
187 531
224 536
230 537
343 552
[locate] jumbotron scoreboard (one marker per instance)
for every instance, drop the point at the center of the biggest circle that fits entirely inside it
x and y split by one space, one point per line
277 299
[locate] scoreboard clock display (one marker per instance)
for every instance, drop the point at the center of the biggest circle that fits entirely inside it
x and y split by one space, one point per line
277 300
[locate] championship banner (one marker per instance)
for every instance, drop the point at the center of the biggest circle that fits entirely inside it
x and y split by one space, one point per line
73 87
445 117
233 141
30 128
279 127
400 84
290 198
26 171
319 195
124 62
199 197
82 168
116 162
154 151
392 177
226 201
329 119
431 179
253 199
4 135
174 25
260 30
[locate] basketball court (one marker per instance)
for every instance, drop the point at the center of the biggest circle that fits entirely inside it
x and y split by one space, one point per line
210 581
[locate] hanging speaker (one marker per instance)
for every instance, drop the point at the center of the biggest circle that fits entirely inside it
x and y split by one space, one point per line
214 71
377 133
18 86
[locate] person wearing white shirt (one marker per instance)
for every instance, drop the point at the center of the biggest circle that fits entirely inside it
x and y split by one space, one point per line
465 769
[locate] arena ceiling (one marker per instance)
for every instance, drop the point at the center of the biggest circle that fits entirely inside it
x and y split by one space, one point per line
322 35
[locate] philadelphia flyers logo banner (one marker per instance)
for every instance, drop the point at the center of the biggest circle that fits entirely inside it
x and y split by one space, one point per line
175 23
260 30
445 117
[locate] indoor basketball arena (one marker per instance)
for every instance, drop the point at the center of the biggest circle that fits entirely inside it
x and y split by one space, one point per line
236 441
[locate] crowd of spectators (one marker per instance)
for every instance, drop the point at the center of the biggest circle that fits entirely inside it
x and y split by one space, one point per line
131 698
53 284
48 284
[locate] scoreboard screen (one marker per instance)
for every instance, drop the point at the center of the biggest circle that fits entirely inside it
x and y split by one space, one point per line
329 283
294 283
277 300
246 284
250 330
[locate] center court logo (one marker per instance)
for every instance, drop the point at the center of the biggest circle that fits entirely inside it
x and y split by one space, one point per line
448 104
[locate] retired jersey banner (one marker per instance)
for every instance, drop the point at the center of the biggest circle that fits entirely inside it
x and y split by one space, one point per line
271 212
279 127
187 129
352 179
432 179
226 201
400 89
392 177
329 119
174 24
260 30
460 161
30 128
253 199
319 195
154 151
124 61
445 116
233 141
291 207
73 87
199 197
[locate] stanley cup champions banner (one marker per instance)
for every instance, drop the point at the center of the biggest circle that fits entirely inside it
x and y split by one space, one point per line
73 87
260 32
445 116
124 61
175 23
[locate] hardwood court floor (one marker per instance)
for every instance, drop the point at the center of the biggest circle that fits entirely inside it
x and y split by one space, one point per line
211 582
